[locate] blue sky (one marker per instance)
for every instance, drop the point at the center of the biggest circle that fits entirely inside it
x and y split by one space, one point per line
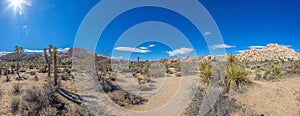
243 23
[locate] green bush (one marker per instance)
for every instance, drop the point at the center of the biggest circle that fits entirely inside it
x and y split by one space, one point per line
206 72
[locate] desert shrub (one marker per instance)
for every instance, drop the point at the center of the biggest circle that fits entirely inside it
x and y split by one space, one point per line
112 76
15 105
68 71
237 75
189 68
17 88
31 66
38 101
273 72
258 75
48 111
167 68
22 70
157 70
205 72
177 66
178 74
36 78
64 77
7 78
43 70
81 111
59 70
139 80
1 93
32 73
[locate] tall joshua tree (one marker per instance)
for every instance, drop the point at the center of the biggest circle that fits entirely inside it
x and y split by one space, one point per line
54 61
19 52
47 60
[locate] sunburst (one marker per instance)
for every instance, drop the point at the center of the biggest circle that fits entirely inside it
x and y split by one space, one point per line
18 5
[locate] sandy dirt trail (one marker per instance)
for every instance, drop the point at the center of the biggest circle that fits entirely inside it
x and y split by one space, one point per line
273 98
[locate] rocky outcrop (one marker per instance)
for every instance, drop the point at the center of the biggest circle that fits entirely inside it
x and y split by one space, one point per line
268 53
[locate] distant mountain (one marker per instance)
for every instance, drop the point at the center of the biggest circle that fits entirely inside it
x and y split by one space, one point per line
269 52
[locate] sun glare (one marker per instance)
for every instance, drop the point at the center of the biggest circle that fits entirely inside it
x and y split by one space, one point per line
18 5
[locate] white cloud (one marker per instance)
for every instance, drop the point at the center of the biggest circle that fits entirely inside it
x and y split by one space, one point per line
220 55
143 48
116 57
241 51
180 51
220 46
207 33
33 51
289 46
4 53
129 49
63 50
259 47
152 45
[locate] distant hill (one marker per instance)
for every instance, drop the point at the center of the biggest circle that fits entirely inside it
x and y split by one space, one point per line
269 52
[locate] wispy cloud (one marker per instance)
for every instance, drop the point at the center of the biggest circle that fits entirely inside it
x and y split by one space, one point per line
4 53
116 57
33 51
63 50
220 46
258 47
130 49
207 33
289 46
180 51
152 45
241 51
143 48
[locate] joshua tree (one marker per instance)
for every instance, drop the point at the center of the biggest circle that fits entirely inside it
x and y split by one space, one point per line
47 60
49 49
138 59
54 61
12 66
19 52
205 72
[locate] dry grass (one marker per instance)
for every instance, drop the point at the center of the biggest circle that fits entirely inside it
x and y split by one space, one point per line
17 89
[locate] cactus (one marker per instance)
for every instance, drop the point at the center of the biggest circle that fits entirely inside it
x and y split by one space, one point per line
54 62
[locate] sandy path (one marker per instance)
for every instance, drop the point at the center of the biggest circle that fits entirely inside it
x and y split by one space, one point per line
273 98
161 97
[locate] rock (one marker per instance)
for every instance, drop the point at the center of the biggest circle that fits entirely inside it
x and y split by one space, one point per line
268 53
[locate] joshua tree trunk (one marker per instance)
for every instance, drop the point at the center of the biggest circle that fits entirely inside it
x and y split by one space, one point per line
12 69
226 87
19 51
54 61
48 62
19 77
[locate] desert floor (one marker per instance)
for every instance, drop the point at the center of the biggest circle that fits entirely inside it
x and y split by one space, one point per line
264 97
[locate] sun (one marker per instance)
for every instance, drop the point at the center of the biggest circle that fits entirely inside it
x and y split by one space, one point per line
18 5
